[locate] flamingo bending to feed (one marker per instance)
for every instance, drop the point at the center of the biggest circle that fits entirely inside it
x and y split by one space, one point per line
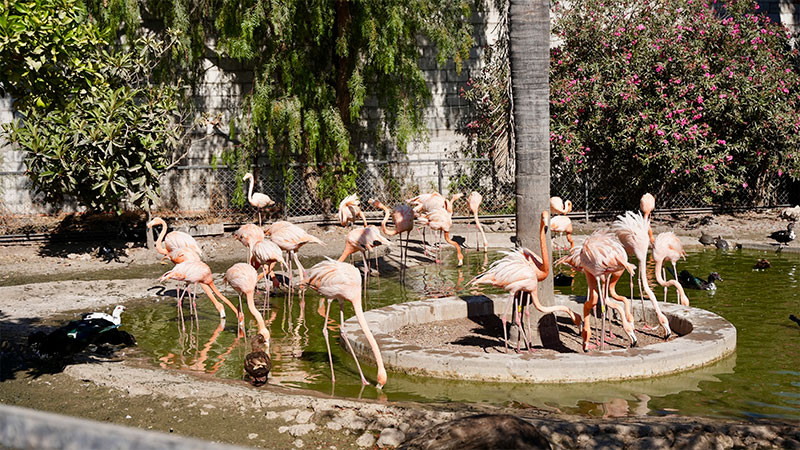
243 278
173 240
646 204
441 220
349 209
257 199
473 203
290 238
563 224
403 218
363 239
668 246
265 255
342 281
632 231
198 272
559 206
249 234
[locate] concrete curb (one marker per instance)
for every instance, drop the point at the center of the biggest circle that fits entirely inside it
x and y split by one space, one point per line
705 338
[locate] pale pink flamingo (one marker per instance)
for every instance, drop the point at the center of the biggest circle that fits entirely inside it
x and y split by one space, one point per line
180 255
559 206
173 240
646 204
342 281
403 218
441 220
249 234
601 256
668 246
424 204
290 238
349 209
198 272
265 255
474 203
256 199
243 278
632 231
562 224
363 239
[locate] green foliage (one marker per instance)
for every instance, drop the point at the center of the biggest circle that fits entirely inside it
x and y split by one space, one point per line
93 124
673 96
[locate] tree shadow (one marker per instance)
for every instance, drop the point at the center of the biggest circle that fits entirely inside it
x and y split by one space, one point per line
101 235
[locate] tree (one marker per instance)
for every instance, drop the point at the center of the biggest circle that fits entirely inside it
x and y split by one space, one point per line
529 47
94 126
675 96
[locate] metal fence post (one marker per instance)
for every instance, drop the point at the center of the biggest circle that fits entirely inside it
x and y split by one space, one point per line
586 199
439 169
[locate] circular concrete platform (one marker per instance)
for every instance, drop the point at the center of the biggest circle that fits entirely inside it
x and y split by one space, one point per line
704 338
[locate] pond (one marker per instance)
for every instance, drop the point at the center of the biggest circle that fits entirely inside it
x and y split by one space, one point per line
762 379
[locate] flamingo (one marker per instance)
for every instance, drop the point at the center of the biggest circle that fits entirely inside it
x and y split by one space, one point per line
257 199
632 231
266 254
441 220
563 224
180 255
341 281
173 240
559 206
425 203
668 246
349 209
403 218
646 204
363 239
290 238
198 272
249 234
243 278
601 256
473 203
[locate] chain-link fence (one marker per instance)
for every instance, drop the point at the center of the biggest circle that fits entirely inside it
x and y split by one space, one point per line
209 194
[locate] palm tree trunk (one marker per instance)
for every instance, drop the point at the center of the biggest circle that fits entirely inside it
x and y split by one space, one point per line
529 52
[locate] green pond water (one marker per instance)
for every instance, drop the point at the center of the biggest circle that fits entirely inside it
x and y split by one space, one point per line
762 378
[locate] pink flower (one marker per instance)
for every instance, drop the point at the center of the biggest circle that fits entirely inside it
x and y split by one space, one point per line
780 172
672 171
721 142
744 185
699 99
640 27
728 158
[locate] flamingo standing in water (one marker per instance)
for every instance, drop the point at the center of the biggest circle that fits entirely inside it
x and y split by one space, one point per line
243 278
668 246
632 231
442 220
363 239
173 240
266 254
349 209
342 281
424 204
646 204
473 203
249 234
403 218
290 238
563 224
257 199
198 272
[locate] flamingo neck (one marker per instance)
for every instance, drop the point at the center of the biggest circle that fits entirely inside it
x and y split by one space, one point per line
454 244
376 351
545 266
250 190
159 247
386 215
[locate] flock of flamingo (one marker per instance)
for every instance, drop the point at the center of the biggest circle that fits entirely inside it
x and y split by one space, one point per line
603 258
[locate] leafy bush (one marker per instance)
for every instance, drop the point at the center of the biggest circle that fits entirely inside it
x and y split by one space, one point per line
94 126
675 95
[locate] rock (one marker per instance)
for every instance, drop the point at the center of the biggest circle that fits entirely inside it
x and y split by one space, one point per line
298 443
271 415
252 435
335 426
391 437
301 429
791 213
304 416
366 440
289 415
481 431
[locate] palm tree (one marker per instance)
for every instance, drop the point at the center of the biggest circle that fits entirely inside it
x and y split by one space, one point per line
529 53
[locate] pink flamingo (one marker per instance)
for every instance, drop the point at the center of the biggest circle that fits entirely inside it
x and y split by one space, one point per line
342 281
173 240
265 255
198 272
363 239
349 209
558 206
180 255
668 246
290 238
473 203
441 220
249 234
243 278
424 204
632 231
257 199
646 204
563 224
403 218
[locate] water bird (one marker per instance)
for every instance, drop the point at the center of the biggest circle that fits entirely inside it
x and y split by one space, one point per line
403 217
669 247
559 206
442 220
647 204
563 224
562 279
257 363
257 199
706 239
474 203
690 281
363 239
172 240
249 235
290 238
75 336
720 243
762 264
349 209
784 236
243 278
794 319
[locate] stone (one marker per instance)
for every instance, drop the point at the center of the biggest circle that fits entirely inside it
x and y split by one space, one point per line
391 437
252 435
304 416
335 426
791 213
298 443
366 440
289 414
301 429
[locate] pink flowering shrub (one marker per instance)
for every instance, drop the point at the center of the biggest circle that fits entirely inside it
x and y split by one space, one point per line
674 96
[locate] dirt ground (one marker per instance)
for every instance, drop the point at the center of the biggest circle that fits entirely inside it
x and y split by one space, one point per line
39 281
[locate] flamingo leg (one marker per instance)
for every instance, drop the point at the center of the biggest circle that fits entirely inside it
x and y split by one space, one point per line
504 319
603 315
350 346
664 276
181 293
299 266
327 342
